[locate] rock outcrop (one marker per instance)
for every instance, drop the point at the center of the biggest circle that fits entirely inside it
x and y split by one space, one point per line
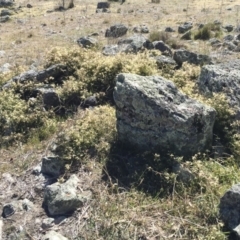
153 115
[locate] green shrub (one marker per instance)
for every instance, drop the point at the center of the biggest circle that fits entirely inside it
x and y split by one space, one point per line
167 38
203 33
18 118
209 30
94 74
159 36
92 131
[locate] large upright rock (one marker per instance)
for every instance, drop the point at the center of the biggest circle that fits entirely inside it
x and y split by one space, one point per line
153 115
223 78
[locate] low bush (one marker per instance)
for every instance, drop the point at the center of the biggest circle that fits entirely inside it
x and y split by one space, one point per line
91 132
207 31
94 74
19 119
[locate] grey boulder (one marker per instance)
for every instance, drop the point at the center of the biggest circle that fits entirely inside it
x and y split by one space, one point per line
182 55
228 38
101 5
116 31
53 166
49 96
162 47
135 43
225 78
132 44
169 29
16 206
6 3
165 61
54 71
229 209
111 50
229 46
185 27
60 199
87 42
141 29
153 115
229 28
5 68
6 12
4 19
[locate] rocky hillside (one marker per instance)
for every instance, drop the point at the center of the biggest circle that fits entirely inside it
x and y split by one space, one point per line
119 120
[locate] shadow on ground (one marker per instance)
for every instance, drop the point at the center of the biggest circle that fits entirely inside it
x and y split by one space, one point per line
144 171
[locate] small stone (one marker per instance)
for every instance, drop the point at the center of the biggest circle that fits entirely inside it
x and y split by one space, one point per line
8 210
183 174
61 199
116 31
229 28
37 170
185 27
2 53
27 205
228 38
87 42
60 219
47 223
52 235
8 177
52 165
169 29
4 19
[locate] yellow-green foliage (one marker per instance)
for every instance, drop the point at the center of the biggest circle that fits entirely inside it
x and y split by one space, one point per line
93 73
92 130
17 117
